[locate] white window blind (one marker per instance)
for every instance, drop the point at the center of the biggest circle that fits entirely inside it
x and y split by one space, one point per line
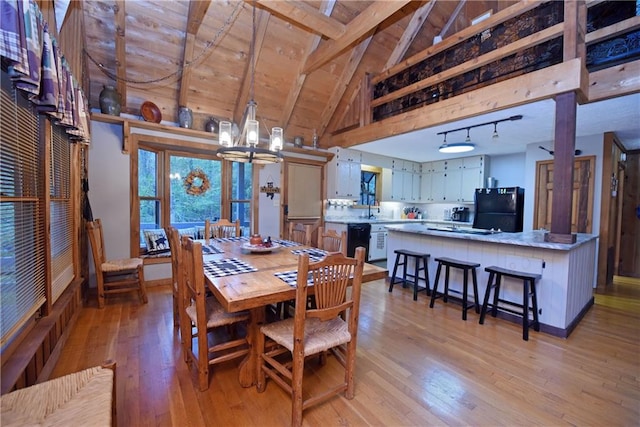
22 234
60 216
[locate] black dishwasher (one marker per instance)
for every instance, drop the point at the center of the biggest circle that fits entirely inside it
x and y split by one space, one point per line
358 235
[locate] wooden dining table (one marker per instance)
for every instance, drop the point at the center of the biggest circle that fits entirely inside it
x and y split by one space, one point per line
256 289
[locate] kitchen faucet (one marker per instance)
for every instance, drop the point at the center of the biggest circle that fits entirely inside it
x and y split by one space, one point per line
371 216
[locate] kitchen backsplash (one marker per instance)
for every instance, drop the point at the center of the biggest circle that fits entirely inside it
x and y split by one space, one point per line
393 210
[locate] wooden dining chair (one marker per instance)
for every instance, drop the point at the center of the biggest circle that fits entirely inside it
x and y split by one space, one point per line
200 314
314 331
223 228
176 269
300 233
115 275
330 241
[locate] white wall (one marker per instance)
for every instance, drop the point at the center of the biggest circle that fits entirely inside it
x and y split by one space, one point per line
269 212
508 170
109 183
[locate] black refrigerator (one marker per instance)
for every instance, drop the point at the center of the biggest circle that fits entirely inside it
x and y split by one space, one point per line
499 209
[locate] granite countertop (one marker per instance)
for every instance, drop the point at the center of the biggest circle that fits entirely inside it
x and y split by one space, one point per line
527 238
396 221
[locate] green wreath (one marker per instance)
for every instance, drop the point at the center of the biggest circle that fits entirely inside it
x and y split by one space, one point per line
196 183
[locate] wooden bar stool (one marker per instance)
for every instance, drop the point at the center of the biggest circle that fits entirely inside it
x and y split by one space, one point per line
466 267
417 257
528 291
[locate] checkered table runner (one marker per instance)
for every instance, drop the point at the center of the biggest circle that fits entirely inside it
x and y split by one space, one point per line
286 243
231 239
227 267
315 255
291 277
210 250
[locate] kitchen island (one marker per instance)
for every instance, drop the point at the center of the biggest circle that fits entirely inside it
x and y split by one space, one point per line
565 291
377 250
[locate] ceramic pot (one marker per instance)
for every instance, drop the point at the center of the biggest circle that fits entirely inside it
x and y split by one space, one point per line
110 101
185 117
255 239
211 125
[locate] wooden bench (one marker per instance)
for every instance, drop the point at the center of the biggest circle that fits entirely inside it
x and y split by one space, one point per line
82 398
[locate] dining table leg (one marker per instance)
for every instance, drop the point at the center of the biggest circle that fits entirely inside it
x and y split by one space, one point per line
248 371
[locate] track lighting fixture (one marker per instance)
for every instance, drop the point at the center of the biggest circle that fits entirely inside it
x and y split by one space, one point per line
467 145
459 147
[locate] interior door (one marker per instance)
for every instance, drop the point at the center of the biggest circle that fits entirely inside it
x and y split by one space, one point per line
582 199
303 193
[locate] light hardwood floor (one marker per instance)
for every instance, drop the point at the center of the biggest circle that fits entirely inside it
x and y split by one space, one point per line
415 366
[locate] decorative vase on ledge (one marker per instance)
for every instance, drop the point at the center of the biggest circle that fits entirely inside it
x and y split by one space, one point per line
110 101
211 125
185 117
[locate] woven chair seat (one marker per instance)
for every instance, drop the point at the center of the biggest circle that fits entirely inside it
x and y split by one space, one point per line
83 397
115 265
216 314
318 335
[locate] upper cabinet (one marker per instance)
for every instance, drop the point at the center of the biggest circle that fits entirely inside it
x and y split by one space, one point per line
406 183
444 181
346 155
377 160
343 174
453 180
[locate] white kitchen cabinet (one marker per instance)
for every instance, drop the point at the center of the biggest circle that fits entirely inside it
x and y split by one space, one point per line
472 172
471 179
378 160
343 174
406 166
453 180
405 186
346 155
426 180
438 186
387 189
416 192
343 180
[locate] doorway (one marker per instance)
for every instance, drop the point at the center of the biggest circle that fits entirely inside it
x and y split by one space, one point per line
302 196
582 199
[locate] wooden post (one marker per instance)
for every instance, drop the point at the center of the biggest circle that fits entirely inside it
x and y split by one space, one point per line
564 148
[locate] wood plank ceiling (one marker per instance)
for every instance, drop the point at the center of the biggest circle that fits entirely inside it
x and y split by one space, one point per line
310 56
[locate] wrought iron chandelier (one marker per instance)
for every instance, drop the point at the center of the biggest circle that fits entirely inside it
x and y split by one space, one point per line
232 147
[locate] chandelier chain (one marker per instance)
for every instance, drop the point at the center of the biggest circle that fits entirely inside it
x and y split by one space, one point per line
253 48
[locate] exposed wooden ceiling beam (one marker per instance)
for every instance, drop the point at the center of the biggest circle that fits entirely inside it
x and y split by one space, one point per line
369 19
197 11
410 33
452 19
306 16
287 109
121 51
413 28
343 82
